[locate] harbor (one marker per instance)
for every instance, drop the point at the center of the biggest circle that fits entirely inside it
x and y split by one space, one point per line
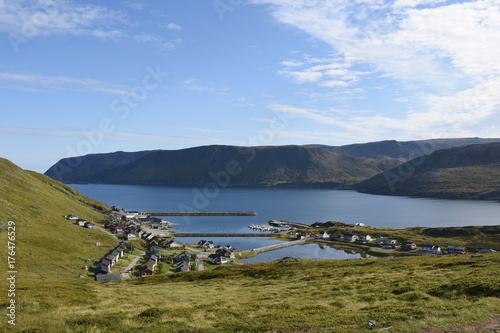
200 213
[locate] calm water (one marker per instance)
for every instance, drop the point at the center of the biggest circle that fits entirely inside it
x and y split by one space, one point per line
299 205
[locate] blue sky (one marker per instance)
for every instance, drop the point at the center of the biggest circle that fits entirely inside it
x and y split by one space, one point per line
79 77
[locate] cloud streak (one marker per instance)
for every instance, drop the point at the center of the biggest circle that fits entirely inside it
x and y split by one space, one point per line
119 136
45 83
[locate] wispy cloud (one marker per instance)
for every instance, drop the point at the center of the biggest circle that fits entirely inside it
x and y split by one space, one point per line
119 136
203 130
30 19
207 87
137 5
332 72
173 26
45 83
444 54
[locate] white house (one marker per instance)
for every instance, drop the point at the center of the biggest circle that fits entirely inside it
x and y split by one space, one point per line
366 238
351 238
386 241
323 235
433 249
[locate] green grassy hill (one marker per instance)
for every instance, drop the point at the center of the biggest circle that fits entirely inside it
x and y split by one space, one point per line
407 294
50 251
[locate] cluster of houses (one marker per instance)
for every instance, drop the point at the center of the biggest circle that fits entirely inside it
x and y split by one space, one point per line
221 255
149 266
103 266
142 219
182 262
131 227
388 243
80 221
157 244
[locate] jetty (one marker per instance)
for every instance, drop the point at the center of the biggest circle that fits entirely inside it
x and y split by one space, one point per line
208 235
200 213
287 224
278 246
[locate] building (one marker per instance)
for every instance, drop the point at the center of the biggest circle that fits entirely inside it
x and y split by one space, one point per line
452 249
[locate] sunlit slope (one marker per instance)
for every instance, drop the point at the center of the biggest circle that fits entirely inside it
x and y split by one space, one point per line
47 245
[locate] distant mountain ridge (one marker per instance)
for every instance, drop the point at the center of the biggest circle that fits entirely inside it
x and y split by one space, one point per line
246 166
469 172
299 166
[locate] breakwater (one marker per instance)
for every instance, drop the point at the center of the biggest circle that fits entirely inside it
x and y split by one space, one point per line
278 246
208 235
287 224
200 213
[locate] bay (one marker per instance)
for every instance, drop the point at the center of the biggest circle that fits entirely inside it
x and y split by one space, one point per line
298 205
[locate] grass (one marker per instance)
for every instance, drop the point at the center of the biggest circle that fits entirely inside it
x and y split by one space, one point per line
408 294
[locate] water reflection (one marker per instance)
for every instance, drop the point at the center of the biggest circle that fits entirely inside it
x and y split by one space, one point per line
308 251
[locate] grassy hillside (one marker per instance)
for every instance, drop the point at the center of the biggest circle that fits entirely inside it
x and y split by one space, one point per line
407 294
470 172
50 251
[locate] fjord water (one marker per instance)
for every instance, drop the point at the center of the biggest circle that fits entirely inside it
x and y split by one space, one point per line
298 205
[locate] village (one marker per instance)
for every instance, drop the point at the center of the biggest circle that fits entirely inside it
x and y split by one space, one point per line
147 246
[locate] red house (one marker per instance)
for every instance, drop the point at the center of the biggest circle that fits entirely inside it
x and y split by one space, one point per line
452 249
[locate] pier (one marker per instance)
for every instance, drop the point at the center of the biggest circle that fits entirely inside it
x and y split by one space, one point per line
287 224
208 235
279 246
200 213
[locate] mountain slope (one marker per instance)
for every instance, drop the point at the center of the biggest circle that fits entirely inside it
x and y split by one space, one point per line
250 166
310 165
470 172
407 150
74 167
47 245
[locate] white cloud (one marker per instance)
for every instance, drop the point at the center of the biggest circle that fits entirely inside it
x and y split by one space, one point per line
329 73
30 19
147 38
174 26
440 53
137 5
207 87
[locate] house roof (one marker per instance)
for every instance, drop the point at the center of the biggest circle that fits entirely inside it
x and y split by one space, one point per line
108 277
453 247
184 267
102 268
106 261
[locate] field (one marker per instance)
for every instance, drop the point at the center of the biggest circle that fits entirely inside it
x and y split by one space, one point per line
407 294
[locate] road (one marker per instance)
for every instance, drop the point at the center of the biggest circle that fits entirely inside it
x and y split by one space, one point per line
131 266
201 264
109 233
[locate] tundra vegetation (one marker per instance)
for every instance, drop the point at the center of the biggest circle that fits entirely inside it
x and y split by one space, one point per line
407 293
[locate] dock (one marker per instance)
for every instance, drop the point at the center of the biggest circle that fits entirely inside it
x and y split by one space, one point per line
208 235
200 213
287 224
278 246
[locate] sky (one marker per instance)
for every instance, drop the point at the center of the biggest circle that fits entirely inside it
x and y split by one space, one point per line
85 77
